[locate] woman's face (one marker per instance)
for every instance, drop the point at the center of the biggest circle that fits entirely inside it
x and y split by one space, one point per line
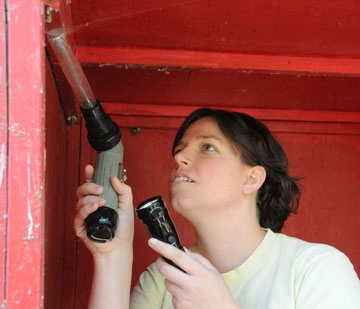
208 172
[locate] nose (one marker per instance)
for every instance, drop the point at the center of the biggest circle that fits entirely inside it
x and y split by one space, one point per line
182 158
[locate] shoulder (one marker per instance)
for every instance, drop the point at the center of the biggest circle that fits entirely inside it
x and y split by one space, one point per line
299 256
306 255
301 249
321 274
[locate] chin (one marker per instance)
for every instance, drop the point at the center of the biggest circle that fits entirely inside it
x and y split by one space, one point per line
181 204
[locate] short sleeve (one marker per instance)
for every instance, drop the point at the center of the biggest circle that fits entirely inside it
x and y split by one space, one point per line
326 279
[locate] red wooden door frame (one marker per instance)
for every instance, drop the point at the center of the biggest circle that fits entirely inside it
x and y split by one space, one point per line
22 153
3 151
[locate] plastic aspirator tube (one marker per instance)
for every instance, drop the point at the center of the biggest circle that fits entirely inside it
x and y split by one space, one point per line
71 68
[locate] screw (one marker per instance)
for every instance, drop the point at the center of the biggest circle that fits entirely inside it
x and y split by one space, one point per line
136 131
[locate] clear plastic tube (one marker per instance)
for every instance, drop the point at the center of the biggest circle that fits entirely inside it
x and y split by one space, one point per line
71 68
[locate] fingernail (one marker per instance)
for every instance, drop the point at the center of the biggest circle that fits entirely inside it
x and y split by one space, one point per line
153 241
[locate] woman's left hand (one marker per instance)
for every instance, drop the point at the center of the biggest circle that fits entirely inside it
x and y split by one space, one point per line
200 286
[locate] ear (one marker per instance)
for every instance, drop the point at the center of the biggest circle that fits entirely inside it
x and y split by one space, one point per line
255 178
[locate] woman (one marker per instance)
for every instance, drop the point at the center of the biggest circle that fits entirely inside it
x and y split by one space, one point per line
230 180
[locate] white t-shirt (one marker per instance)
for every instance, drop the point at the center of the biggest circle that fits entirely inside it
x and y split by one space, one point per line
283 272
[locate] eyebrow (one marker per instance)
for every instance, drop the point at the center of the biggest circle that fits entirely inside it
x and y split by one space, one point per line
203 137
209 137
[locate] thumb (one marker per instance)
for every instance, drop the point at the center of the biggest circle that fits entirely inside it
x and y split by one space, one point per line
125 194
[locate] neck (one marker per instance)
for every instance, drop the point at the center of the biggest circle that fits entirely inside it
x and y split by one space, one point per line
228 240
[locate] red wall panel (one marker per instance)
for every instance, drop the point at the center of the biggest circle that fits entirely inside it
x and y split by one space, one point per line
329 209
259 27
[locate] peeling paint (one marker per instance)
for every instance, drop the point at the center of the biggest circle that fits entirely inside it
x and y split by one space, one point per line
14 129
29 214
27 135
2 163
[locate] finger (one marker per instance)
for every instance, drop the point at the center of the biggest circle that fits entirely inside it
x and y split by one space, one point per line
179 257
79 227
82 214
89 173
171 273
88 188
125 194
201 260
173 288
84 210
90 199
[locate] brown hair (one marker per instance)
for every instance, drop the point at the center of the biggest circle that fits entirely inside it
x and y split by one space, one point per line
279 196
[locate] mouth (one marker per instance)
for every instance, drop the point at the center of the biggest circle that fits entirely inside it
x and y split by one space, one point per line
182 179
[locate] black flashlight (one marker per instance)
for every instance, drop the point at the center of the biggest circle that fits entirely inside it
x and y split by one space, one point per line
157 221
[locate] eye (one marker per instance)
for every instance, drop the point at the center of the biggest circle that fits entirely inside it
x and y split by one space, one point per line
208 147
176 150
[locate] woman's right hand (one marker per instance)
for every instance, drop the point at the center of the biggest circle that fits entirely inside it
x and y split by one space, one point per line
89 201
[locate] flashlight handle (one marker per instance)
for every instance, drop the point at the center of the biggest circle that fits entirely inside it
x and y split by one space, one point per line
102 223
164 230
158 223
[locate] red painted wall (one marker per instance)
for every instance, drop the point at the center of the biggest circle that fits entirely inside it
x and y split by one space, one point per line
61 179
